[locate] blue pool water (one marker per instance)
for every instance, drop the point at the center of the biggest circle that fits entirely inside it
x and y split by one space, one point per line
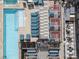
10 1
10 34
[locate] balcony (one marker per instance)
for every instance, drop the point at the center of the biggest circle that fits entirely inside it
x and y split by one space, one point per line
54 44
35 18
35 24
54 15
35 31
56 7
54 19
53 53
35 14
35 35
55 38
55 34
30 50
54 28
54 57
51 14
31 57
54 25
34 28
31 53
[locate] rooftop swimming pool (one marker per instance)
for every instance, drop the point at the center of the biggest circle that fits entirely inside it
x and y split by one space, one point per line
10 1
10 34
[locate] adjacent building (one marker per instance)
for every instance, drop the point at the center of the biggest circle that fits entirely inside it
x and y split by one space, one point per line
38 29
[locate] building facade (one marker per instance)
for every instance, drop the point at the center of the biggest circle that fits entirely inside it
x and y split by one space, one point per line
38 29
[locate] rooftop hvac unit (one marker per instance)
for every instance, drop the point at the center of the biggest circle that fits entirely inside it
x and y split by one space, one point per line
70 49
67 26
69 39
68 32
